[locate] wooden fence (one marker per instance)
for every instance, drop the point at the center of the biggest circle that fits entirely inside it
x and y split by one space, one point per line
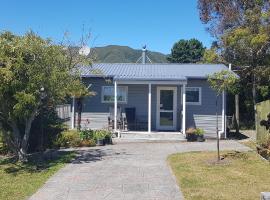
263 109
63 111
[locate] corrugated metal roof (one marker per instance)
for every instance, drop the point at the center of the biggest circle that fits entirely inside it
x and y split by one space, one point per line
137 71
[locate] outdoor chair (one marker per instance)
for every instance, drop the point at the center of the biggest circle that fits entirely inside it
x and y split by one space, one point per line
120 119
131 120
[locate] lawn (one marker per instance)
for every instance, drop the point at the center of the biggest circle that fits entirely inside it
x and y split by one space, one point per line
241 176
19 181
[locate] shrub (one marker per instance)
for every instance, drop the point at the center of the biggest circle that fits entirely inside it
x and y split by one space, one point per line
68 138
88 143
87 134
100 134
85 138
190 130
199 131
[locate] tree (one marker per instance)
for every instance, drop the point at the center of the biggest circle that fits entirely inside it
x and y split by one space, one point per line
223 81
211 56
186 51
30 66
242 29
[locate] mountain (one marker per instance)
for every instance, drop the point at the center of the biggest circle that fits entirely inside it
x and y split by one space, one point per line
123 54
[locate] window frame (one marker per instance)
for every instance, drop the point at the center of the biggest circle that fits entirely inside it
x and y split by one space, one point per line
192 103
120 102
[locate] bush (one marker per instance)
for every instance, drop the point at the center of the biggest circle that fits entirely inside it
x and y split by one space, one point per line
199 131
101 134
87 134
190 131
85 138
68 138
88 143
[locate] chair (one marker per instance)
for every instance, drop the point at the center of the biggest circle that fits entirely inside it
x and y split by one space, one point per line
119 118
131 118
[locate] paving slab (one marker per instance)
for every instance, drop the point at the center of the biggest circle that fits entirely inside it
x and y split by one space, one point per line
123 171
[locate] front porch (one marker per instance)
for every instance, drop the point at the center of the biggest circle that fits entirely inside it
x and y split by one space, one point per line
153 136
164 113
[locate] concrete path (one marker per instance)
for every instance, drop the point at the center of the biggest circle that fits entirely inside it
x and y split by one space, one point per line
123 171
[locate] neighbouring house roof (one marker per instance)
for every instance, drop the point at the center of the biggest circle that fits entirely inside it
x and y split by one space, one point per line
154 72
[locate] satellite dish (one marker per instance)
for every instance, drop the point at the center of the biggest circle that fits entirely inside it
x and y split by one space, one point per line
85 50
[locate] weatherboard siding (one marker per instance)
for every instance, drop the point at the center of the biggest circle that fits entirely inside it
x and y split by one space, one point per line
95 113
204 115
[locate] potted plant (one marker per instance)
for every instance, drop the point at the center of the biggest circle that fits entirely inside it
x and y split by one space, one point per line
99 137
108 138
200 134
190 134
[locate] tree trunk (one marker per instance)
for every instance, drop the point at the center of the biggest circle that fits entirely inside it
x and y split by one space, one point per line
237 121
218 153
16 142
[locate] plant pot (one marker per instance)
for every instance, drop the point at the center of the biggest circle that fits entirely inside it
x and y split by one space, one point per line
200 138
191 137
108 140
100 142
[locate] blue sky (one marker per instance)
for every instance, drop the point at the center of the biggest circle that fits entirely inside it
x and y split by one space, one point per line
156 23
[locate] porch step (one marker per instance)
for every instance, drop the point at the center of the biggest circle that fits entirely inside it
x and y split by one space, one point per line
150 137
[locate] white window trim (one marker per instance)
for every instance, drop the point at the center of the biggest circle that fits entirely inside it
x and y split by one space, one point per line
120 102
192 103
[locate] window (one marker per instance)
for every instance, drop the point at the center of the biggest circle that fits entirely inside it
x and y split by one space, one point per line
108 94
193 95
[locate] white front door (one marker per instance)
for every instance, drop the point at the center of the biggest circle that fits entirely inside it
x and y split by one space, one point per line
166 108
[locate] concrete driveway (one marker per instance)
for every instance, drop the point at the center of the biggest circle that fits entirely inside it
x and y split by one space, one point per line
123 171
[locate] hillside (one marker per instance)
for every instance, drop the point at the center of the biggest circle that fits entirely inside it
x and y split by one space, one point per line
123 54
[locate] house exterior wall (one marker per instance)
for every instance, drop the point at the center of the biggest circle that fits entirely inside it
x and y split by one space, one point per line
95 113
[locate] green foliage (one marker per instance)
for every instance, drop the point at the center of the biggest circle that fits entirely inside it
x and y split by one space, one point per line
73 138
186 51
88 143
242 29
86 134
101 134
123 54
68 138
27 64
199 131
211 56
223 81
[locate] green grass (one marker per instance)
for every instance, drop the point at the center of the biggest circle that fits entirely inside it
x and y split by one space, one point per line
242 176
19 181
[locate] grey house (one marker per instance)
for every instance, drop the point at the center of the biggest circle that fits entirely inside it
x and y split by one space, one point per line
165 97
